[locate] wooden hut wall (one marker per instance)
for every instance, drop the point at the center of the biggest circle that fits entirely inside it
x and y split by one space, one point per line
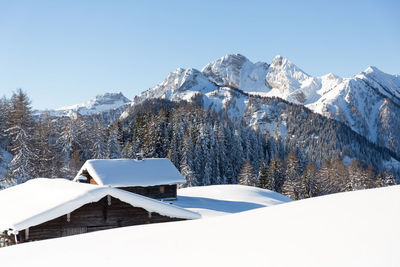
157 192
92 217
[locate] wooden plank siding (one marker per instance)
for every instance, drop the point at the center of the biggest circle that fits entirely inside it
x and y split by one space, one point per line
157 192
93 217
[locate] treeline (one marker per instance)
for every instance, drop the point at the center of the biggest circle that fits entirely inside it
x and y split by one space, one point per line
290 178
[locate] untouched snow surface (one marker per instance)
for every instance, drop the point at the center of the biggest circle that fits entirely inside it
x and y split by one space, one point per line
216 200
42 199
348 229
131 172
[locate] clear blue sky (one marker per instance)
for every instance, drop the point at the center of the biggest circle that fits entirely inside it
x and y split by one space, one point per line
65 52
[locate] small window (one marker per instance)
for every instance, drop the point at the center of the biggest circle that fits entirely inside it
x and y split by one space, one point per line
162 189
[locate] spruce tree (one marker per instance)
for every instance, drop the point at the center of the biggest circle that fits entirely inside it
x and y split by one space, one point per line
309 187
187 161
262 176
246 175
20 130
98 141
389 179
291 186
275 176
113 146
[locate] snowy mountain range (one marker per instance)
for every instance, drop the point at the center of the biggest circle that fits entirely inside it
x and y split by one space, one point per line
369 102
101 103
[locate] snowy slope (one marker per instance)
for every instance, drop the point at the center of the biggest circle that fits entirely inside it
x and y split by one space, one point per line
369 102
216 200
101 103
347 229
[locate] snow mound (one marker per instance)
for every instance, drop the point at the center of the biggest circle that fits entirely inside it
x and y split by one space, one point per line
348 229
215 200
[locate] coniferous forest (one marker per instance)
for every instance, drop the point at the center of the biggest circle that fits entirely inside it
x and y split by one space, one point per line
206 146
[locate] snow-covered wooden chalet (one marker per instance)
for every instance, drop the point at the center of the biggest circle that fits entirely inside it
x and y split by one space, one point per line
47 208
152 177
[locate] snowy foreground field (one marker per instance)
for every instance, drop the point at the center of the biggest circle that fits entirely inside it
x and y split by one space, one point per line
349 229
216 200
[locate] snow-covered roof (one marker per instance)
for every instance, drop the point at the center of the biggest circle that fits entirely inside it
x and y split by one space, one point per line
39 200
131 172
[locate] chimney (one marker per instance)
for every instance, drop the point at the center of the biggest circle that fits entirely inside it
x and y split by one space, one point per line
139 156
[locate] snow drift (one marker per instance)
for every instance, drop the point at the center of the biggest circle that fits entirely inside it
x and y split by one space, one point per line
347 229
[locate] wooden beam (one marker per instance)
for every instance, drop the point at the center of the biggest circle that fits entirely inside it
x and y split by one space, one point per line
26 234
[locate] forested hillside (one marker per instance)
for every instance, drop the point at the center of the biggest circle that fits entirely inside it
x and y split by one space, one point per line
316 155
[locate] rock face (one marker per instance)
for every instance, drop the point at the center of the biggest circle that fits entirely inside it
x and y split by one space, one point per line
369 102
236 71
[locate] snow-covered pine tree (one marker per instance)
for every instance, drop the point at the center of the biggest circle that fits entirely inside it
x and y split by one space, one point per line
113 146
291 186
371 177
337 175
98 141
176 142
205 154
198 155
68 140
237 154
187 160
379 180
309 186
225 157
214 156
20 129
275 176
246 175
389 179
325 185
262 180
358 178
4 113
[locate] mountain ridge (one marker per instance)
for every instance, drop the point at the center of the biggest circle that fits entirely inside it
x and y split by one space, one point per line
99 104
368 102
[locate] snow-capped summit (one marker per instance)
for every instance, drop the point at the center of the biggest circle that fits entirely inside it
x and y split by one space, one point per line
181 84
236 71
284 75
101 103
386 84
